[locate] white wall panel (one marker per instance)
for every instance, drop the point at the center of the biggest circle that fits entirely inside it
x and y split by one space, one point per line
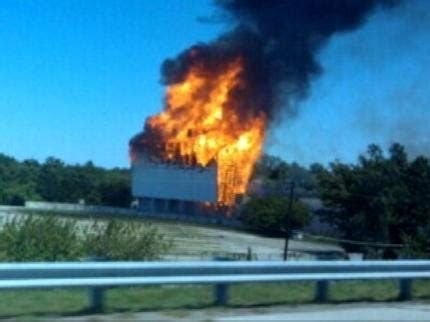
157 180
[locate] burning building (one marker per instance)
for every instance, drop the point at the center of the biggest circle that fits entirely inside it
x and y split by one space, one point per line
223 96
200 151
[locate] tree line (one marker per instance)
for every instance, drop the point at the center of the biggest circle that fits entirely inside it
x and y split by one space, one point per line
382 199
55 181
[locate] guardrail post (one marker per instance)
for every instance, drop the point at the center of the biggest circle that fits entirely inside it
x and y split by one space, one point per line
221 294
321 291
405 289
96 294
221 290
96 299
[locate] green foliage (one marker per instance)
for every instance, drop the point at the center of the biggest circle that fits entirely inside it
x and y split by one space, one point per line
380 199
274 175
121 240
116 191
17 181
55 181
48 238
273 214
39 239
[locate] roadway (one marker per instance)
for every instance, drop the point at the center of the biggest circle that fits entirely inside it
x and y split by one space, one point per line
394 311
344 312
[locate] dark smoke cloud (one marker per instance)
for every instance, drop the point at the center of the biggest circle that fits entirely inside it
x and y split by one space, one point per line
278 41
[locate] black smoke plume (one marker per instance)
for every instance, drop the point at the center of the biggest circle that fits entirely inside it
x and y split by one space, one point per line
278 41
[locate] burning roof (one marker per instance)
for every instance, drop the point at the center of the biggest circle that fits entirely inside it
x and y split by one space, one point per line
200 124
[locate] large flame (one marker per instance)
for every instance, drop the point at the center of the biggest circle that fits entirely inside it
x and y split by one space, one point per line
201 124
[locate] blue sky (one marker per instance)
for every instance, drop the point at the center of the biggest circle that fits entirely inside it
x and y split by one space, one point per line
78 78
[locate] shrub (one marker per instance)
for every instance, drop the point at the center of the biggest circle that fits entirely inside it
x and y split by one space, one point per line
272 215
48 238
119 240
39 239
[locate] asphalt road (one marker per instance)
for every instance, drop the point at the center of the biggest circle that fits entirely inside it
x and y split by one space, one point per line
409 311
361 312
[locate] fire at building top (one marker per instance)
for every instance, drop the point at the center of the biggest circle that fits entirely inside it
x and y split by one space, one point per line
200 126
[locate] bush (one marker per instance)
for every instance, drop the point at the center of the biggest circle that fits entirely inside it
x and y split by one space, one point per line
119 240
48 238
39 239
273 215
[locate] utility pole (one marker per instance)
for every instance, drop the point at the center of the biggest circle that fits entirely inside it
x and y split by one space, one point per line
287 221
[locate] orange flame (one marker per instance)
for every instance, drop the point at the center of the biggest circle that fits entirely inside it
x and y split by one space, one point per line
201 123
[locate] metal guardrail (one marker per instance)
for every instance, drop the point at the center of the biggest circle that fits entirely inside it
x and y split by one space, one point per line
101 275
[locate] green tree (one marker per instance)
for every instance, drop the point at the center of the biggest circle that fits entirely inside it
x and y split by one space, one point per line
17 180
382 199
56 181
273 215
116 192
274 176
50 180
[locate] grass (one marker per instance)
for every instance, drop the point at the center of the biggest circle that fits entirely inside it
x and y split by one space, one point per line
133 299
271 294
42 302
349 291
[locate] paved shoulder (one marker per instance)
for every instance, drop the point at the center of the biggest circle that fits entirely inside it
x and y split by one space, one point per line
354 312
411 311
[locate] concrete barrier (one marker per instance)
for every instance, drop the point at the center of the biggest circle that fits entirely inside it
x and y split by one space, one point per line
71 207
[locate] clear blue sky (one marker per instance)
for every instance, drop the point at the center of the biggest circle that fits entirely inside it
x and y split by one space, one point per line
78 78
